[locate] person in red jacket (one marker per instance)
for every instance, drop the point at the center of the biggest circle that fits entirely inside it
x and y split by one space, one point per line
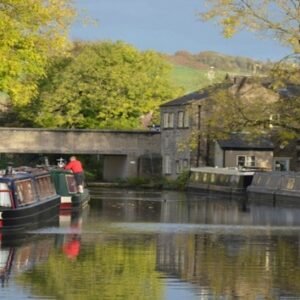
76 167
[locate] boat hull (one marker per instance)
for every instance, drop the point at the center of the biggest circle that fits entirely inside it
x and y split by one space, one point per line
76 201
30 217
275 188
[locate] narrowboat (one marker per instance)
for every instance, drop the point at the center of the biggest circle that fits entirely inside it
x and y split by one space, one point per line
225 180
275 188
65 185
27 201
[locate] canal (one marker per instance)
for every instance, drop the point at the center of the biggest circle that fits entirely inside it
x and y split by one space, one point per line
159 246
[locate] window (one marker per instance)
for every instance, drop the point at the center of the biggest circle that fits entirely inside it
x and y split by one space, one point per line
245 161
44 186
186 120
25 192
185 164
183 119
178 166
171 120
167 165
5 195
168 120
180 119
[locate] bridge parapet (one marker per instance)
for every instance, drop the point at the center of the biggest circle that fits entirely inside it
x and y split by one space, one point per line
113 144
82 141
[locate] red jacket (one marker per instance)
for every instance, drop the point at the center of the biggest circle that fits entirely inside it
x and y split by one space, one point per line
75 166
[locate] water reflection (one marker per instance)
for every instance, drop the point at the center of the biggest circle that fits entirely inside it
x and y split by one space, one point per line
173 207
152 245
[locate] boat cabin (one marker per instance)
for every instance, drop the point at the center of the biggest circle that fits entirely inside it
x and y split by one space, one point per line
228 180
26 199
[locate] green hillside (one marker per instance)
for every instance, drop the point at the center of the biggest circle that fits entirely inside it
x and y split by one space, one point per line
192 79
191 71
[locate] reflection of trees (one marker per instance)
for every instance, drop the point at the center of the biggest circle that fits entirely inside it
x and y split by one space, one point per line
246 267
110 270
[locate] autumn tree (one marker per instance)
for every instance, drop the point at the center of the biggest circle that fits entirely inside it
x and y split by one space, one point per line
279 20
276 19
103 85
31 33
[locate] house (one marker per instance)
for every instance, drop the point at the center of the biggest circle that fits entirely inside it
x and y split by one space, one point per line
240 151
179 119
185 142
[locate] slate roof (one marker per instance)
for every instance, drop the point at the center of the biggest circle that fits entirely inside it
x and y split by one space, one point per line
186 99
197 95
238 142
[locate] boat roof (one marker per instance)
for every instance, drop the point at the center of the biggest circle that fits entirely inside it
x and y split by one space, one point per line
225 171
16 176
22 173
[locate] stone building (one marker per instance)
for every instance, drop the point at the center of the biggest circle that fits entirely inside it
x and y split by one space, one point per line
185 142
179 119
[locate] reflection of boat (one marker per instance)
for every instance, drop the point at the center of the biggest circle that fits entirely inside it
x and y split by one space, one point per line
66 187
23 255
27 201
275 188
225 180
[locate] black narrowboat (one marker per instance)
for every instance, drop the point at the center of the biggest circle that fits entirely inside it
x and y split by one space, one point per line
225 180
66 187
27 201
275 188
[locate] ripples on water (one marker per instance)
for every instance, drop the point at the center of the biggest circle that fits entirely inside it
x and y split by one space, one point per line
158 245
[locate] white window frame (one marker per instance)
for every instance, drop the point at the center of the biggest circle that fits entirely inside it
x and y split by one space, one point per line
249 160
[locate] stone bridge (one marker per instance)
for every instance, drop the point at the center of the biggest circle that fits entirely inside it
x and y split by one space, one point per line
121 149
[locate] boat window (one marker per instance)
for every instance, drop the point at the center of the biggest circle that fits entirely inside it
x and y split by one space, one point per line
234 179
274 181
212 178
5 196
45 187
196 176
25 192
290 183
71 184
260 179
205 177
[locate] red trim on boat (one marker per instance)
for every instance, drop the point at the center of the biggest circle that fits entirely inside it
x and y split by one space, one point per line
65 206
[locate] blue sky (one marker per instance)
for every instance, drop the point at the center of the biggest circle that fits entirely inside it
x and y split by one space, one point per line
167 26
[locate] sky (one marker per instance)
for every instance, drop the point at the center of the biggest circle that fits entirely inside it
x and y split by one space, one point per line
166 26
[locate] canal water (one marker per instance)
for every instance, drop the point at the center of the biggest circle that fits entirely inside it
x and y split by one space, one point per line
158 246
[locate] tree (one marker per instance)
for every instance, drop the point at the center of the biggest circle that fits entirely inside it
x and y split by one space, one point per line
103 85
245 105
31 32
280 20
277 19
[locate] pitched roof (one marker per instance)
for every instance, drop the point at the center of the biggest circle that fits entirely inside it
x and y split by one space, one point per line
241 142
198 95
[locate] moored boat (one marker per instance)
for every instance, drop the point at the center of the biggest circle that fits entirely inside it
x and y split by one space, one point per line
225 180
275 188
65 185
27 201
